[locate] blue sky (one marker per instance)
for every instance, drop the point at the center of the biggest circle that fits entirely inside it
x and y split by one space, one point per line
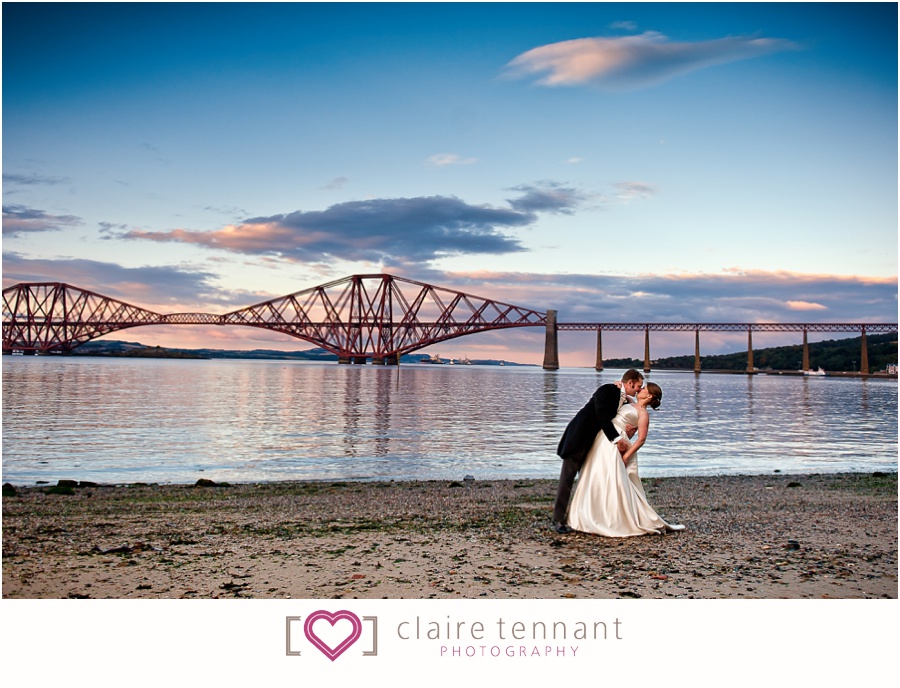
668 162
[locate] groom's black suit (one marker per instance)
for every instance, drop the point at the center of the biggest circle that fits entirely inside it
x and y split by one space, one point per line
579 436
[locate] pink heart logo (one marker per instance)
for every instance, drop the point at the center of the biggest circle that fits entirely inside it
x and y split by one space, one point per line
332 652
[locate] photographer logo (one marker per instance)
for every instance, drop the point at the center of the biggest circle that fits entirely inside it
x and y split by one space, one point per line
332 633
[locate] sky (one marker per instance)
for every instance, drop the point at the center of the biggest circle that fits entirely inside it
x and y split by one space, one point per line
616 162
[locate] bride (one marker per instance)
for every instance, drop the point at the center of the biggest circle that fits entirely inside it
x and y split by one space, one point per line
609 498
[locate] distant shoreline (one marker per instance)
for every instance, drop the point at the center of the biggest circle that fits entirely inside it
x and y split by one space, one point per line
838 358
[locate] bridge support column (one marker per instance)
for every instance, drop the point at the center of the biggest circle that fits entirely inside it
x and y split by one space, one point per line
392 360
343 359
377 361
599 364
551 343
358 360
750 365
646 349
864 356
805 365
697 351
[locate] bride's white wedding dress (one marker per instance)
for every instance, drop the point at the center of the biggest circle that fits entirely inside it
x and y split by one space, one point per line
609 498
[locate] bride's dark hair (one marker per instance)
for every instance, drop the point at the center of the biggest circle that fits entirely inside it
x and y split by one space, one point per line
656 392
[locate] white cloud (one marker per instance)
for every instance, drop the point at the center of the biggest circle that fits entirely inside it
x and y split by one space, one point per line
633 191
626 25
445 159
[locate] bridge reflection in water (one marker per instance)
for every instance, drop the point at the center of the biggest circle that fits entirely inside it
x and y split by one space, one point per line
375 317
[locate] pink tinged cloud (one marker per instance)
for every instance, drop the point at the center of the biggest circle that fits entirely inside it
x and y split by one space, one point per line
632 62
262 237
805 306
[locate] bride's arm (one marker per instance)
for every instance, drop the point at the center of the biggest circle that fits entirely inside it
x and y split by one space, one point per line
643 427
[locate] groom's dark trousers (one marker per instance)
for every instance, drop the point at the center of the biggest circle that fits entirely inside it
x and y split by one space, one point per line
579 436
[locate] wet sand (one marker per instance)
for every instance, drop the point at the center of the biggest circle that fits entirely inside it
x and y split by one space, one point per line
776 536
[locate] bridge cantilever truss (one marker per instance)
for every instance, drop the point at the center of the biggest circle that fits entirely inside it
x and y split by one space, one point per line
362 316
381 316
52 316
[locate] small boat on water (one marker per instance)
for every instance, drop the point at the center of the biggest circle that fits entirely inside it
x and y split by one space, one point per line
816 373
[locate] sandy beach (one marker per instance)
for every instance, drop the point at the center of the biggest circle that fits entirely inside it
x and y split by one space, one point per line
775 536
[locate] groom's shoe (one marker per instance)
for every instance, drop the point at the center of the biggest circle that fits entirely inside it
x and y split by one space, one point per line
561 528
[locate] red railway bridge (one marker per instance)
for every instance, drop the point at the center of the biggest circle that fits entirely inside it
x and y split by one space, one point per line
375 317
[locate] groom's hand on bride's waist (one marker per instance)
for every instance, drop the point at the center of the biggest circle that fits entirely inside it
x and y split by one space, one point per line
630 430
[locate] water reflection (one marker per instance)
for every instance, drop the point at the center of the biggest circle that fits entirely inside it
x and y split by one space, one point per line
116 420
551 390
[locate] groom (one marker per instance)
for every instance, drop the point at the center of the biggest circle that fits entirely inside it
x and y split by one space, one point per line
581 431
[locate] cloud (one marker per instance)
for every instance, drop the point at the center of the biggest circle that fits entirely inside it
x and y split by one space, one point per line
17 219
625 25
231 211
630 191
110 230
550 197
446 159
753 296
805 306
152 287
632 62
391 230
335 184
32 179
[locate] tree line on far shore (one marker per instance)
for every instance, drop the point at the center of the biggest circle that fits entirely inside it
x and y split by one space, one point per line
833 354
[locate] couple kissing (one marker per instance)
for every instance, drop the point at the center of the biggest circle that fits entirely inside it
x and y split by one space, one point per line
596 446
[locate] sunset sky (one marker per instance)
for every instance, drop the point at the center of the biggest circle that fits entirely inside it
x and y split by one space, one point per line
640 162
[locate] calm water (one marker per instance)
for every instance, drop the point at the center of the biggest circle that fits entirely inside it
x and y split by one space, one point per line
145 420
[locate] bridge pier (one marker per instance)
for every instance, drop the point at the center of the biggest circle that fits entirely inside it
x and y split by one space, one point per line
646 349
864 356
697 351
805 365
551 343
750 365
599 364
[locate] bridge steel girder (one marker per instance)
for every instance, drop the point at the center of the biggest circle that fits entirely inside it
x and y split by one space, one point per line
731 327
